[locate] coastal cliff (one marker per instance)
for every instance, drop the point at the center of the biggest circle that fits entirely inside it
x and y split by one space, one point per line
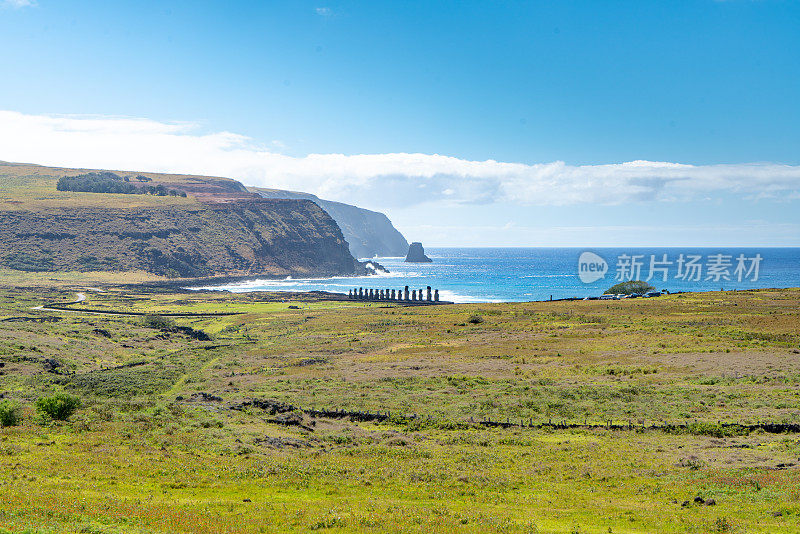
369 233
218 229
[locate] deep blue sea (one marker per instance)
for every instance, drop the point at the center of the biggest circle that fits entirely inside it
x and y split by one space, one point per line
523 274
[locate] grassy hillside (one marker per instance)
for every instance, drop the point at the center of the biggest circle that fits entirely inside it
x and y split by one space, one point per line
169 438
29 187
218 229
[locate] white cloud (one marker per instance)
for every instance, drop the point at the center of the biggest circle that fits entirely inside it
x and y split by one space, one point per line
373 180
17 3
323 11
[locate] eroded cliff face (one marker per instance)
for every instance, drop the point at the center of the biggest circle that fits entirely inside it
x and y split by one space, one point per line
236 238
369 233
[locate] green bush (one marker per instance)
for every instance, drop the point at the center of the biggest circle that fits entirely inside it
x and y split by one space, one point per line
30 261
717 430
475 319
60 406
9 414
158 322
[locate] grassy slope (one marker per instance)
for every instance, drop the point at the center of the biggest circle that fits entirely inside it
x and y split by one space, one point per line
135 459
30 187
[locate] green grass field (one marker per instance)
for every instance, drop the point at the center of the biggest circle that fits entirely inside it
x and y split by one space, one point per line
167 438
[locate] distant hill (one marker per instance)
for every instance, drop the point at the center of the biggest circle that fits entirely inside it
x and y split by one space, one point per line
369 233
218 228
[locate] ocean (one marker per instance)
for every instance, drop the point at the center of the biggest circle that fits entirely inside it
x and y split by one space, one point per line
525 274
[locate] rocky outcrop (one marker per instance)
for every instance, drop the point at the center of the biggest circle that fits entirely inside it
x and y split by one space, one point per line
235 238
369 233
416 254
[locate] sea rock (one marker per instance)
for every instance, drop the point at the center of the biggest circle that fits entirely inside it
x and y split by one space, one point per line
416 254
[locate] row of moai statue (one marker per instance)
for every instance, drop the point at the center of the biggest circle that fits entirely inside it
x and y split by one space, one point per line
401 295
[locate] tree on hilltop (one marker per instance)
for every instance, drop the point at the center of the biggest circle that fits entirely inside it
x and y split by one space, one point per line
631 286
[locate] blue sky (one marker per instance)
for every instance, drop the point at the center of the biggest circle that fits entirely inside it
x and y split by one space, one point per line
591 84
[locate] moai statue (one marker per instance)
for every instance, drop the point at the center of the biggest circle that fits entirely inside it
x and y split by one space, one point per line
436 295
371 294
428 294
413 294
405 293
419 295
380 294
393 296
360 292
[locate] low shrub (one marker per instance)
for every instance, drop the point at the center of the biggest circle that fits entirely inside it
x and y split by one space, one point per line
475 319
59 407
158 322
9 414
717 430
165 324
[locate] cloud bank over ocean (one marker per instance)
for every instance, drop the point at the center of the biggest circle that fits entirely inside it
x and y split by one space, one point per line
374 180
